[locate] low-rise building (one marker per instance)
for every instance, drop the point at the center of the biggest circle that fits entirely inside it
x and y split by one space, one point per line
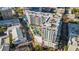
17 35
6 13
73 43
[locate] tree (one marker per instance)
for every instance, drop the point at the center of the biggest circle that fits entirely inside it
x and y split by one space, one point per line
50 49
38 48
65 48
75 11
2 29
10 39
19 11
77 49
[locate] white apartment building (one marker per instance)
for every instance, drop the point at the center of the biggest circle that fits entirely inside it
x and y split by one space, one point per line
48 25
51 32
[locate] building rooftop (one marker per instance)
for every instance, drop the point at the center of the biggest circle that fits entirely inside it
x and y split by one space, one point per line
74 29
8 22
42 9
4 8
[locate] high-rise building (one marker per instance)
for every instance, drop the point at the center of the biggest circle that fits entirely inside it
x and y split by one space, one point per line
49 26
